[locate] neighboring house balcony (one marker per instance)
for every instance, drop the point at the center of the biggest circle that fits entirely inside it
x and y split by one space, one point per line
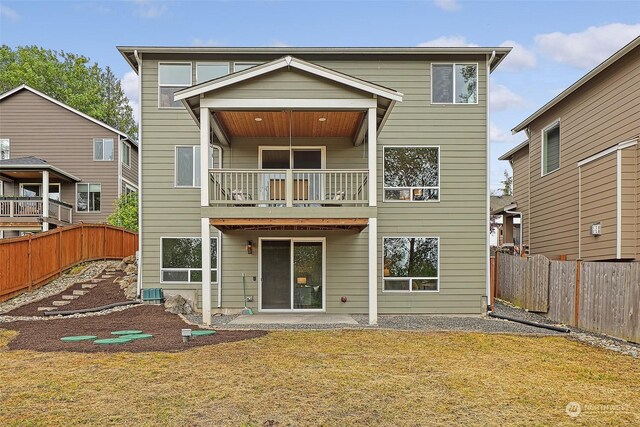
31 197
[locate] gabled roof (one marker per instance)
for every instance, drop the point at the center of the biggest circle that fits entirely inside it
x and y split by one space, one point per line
33 163
514 150
65 106
571 89
288 62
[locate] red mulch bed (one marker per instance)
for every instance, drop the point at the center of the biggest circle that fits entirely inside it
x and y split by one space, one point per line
44 335
106 292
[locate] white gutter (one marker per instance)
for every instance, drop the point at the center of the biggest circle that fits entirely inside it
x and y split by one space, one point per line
139 60
488 199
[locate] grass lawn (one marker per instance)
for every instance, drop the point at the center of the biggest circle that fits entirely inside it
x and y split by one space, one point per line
332 378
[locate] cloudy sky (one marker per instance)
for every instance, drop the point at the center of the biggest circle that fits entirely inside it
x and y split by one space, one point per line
555 42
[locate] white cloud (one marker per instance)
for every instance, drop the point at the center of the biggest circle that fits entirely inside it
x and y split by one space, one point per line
447 41
497 134
588 48
278 43
150 8
502 98
447 5
129 84
208 42
10 14
520 58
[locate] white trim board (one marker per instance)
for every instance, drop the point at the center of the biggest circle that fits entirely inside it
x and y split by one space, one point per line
300 104
620 146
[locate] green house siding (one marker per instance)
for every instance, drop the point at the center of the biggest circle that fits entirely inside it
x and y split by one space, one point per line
458 219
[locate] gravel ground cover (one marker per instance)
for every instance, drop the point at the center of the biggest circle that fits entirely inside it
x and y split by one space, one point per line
44 336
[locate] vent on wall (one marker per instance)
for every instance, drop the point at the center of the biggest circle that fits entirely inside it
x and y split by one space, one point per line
596 229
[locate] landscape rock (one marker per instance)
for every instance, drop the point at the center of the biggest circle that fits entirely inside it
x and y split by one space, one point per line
130 259
131 291
131 269
177 304
121 266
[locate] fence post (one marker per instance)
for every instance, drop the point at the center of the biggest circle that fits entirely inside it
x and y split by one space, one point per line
495 272
29 263
122 251
82 241
104 242
576 306
59 250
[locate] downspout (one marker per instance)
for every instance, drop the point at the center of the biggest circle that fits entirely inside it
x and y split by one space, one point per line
139 60
217 147
488 196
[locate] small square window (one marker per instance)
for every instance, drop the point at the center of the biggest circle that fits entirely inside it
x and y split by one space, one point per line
88 197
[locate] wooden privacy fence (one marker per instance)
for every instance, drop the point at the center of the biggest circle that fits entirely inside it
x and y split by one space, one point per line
31 261
602 297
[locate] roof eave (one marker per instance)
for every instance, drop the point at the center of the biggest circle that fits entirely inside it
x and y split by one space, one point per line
514 150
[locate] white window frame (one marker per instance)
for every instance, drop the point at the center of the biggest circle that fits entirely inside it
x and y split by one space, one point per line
211 63
9 145
75 202
39 184
167 85
103 159
252 63
453 65
542 145
322 148
175 166
410 278
129 188
128 147
189 270
384 197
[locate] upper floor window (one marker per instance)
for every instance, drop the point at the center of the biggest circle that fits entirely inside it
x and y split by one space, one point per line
4 149
454 83
171 78
412 174
88 197
240 66
551 148
126 154
188 166
211 70
102 149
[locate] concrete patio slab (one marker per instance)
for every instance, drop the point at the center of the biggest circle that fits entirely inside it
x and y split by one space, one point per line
294 319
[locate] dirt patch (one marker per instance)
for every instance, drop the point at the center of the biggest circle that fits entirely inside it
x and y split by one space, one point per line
165 328
106 292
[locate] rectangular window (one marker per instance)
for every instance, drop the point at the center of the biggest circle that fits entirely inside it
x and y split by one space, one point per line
171 78
103 149
88 197
454 84
5 146
412 174
411 264
181 260
211 70
241 66
551 148
188 166
128 189
126 154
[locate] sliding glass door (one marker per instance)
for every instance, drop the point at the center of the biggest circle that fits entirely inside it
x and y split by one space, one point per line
292 274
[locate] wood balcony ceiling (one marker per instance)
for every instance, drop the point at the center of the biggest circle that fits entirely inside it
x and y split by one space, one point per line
316 124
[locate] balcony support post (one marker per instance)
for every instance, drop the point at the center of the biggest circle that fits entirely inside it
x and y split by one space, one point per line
372 150
45 200
205 132
288 183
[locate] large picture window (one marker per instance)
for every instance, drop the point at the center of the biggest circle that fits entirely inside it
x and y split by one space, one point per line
171 78
551 148
211 70
411 264
88 197
103 149
412 174
181 260
454 83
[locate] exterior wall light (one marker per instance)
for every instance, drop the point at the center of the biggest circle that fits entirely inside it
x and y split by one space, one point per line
249 247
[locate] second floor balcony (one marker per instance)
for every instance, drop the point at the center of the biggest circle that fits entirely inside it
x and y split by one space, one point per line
23 209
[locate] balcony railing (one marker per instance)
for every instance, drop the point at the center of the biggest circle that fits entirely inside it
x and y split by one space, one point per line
289 187
32 207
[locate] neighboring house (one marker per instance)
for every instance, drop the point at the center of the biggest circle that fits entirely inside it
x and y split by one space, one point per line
503 234
339 180
576 179
50 151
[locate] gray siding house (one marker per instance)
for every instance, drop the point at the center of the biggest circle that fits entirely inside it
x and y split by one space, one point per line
339 180
52 152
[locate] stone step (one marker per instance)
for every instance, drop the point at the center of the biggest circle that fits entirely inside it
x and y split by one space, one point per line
88 285
106 276
47 308
110 270
70 297
60 303
80 292
96 280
